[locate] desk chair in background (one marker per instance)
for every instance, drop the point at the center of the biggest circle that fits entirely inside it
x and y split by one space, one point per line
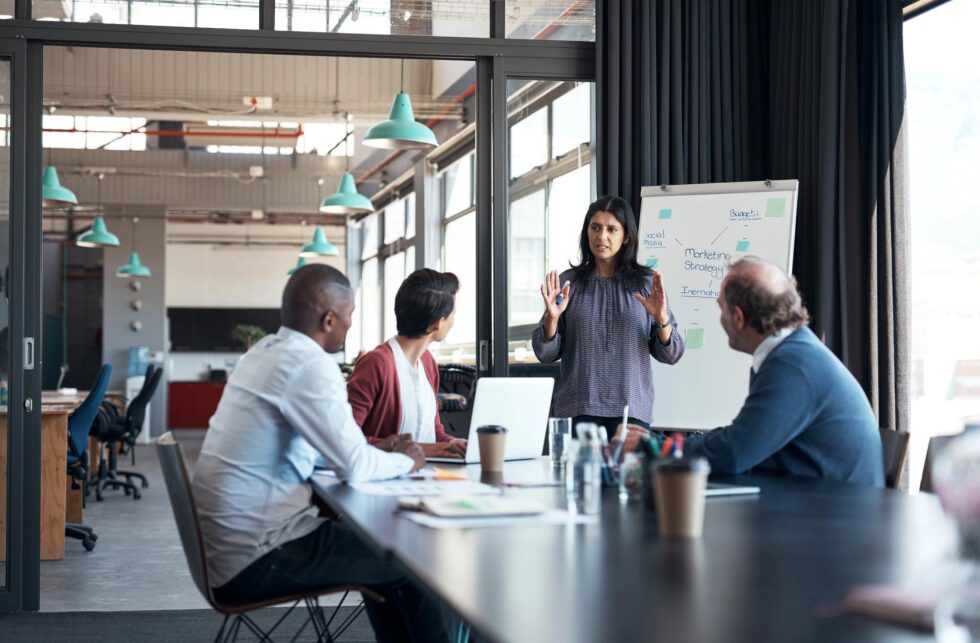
123 428
457 383
181 494
895 448
936 444
79 426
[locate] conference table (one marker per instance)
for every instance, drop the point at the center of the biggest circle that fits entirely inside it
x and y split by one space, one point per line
770 567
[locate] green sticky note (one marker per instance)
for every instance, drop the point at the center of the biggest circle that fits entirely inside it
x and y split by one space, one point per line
776 207
694 338
665 213
742 246
653 262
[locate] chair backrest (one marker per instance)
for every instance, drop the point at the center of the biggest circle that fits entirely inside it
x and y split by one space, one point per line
178 482
936 444
81 419
895 448
136 411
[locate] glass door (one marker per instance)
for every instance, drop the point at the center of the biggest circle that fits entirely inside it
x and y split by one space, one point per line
19 528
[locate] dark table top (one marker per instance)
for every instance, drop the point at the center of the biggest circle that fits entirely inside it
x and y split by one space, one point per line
771 567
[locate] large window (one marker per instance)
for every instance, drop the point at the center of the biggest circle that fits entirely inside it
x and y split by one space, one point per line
943 107
387 257
387 17
228 14
458 209
550 190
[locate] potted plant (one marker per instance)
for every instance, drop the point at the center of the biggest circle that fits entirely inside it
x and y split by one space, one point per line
247 334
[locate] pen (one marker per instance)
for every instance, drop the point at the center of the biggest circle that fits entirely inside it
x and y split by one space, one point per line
561 295
666 448
678 445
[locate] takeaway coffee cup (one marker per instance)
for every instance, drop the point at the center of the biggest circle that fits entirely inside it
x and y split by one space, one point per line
678 485
492 439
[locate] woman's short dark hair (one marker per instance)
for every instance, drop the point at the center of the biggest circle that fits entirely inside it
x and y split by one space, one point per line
425 297
765 310
635 277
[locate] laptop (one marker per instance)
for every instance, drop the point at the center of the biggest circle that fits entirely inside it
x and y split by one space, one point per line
521 404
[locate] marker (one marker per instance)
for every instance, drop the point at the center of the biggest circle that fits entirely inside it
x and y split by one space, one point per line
561 295
665 449
678 445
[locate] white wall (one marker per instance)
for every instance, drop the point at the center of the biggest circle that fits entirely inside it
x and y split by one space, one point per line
214 276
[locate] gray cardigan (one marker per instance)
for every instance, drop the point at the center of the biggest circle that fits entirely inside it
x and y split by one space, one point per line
605 339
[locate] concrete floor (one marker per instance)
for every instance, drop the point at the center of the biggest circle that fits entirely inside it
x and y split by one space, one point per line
138 562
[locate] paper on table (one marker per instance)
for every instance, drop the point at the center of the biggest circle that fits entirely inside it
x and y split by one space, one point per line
422 487
553 517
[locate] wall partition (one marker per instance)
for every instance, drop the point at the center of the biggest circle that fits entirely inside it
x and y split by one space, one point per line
548 43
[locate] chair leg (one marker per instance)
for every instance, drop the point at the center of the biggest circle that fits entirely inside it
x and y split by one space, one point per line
129 475
83 533
125 486
219 637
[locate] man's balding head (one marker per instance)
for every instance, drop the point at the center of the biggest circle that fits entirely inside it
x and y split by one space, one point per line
311 294
766 295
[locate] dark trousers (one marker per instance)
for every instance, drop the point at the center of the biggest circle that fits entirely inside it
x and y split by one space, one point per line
333 555
609 422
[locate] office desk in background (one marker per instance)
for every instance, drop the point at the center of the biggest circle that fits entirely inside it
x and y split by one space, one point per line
54 450
767 567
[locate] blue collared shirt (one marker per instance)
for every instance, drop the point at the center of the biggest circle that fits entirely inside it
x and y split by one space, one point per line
283 411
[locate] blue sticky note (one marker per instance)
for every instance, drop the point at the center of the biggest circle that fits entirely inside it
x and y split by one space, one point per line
694 338
653 262
776 207
742 246
665 213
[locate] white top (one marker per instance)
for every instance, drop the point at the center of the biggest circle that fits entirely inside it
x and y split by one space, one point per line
767 346
418 400
283 410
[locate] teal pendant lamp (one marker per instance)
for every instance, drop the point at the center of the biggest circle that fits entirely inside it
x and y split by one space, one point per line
346 200
319 246
97 236
401 131
299 264
53 193
133 268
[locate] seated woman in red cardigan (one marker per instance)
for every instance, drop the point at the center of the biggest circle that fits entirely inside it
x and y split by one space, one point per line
393 388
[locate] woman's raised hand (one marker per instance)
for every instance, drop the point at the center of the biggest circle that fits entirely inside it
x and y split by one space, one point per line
656 300
551 290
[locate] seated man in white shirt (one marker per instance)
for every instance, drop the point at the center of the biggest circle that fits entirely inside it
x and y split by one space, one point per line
284 410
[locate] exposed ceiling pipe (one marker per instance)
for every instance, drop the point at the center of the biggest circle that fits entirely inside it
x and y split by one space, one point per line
469 91
294 135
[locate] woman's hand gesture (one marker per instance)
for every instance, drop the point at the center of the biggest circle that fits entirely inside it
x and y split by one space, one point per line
551 290
656 301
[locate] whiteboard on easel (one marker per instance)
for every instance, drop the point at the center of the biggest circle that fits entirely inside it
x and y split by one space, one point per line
691 234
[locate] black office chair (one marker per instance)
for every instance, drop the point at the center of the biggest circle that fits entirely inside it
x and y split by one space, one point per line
123 429
456 385
185 514
79 426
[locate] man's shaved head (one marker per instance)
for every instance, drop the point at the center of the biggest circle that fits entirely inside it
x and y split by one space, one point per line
311 293
766 294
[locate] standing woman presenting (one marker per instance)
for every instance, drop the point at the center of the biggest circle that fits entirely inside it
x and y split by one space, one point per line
603 319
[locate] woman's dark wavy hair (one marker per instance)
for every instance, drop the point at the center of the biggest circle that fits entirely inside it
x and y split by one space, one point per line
636 278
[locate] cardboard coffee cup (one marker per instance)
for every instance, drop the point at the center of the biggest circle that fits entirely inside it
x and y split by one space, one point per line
492 439
678 485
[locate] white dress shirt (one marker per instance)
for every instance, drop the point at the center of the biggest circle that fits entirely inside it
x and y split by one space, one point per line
767 346
417 399
283 410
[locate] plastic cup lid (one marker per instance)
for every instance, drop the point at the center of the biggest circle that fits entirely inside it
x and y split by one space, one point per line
491 428
683 465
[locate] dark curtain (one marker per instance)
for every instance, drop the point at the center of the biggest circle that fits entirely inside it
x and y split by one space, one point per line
697 91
